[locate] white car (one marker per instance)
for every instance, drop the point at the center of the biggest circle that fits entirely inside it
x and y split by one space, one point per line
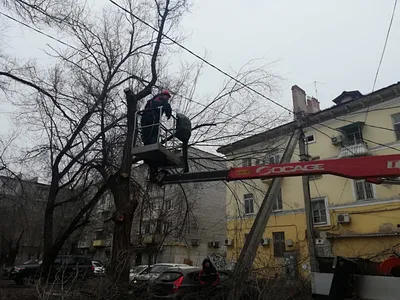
98 268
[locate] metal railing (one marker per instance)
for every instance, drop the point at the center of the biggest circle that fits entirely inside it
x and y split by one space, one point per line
166 129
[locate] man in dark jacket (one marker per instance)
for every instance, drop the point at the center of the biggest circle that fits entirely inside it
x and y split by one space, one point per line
183 133
150 121
208 276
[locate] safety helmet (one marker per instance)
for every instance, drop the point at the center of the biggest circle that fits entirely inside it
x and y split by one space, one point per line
166 92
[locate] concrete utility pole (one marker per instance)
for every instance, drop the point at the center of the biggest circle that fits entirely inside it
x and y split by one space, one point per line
249 251
300 114
307 206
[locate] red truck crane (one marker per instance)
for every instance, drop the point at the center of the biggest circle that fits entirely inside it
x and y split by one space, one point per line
374 169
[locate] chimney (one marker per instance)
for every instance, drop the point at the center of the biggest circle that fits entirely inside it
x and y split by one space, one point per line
312 105
299 99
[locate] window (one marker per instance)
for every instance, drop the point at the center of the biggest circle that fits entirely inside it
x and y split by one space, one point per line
146 227
396 124
277 206
317 176
168 203
42 194
169 276
248 204
279 243
246 162
167 227
319 211
273 159
100 235
259 161
353 134
310 138
364 190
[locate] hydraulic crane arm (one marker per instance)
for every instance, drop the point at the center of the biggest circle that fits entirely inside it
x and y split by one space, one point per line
372 168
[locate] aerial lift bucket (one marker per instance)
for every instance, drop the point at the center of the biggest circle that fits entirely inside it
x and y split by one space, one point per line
166 152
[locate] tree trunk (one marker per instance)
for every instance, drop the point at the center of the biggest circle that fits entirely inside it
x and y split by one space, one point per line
12 256
124 199
48 253
14 250
121 250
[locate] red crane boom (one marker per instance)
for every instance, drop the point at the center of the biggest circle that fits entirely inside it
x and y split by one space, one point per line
372 168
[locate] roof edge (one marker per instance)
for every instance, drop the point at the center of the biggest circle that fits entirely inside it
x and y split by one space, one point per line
389 92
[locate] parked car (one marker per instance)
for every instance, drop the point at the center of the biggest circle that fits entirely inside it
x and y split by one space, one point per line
65 266
99 268
183 284
138 270
140 282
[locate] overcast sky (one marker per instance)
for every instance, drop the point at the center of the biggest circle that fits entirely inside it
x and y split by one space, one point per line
335 43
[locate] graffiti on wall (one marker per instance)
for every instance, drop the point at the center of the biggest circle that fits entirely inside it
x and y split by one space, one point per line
218 260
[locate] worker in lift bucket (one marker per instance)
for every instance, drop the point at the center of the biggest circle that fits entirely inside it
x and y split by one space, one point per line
150 121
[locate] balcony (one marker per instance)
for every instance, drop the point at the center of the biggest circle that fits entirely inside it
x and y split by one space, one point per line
355 149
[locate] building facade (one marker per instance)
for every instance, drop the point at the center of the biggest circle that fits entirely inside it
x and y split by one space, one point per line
177 223
182 223
22 207
352 218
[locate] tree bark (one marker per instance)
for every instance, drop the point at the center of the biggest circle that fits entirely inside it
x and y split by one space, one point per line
125 201
49 255
125 207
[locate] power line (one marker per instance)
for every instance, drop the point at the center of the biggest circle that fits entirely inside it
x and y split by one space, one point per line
324 133
68 45
221 112
368 125
39 31
377 143
202 59
382 55
385 44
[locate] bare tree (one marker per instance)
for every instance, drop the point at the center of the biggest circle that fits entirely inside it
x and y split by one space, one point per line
83 126
77 104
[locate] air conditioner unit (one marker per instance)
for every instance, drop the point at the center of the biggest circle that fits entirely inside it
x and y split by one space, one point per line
289 243
319 241
264 241
195 242
343 218
337 140
228 242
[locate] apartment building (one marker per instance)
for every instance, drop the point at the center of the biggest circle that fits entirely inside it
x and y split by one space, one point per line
22 206
182 223
352 218
177 223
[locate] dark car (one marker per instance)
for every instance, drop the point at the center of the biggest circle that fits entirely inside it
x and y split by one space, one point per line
141 282
65 266
184 284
